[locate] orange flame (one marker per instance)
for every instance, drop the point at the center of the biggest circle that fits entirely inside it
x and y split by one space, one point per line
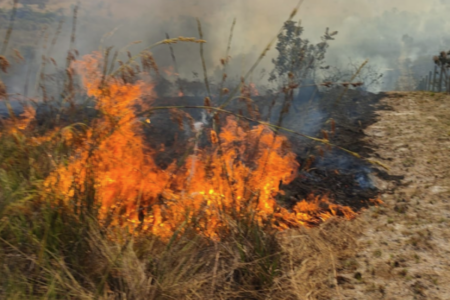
240 174
19 124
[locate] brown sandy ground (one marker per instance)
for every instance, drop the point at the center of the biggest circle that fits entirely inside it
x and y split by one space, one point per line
404 250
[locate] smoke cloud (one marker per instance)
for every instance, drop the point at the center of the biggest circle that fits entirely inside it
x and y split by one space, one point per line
382 31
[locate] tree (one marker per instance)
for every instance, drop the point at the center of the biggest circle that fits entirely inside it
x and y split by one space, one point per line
297 56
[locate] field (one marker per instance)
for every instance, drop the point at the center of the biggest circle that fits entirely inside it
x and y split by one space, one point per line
120 179
403 252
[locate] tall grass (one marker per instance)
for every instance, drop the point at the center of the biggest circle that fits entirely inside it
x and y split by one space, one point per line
54 249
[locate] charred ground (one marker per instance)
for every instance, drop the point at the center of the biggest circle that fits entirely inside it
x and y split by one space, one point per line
346 179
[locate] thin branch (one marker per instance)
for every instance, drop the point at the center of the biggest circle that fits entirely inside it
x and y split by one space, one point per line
351 80
205 74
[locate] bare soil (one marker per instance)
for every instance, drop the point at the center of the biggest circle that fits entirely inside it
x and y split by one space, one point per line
404 249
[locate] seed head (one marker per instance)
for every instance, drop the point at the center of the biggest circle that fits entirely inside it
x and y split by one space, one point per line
148 62
191 121
216 118
309 162
293 13
207 103
4 64
177 117
257 113
325 135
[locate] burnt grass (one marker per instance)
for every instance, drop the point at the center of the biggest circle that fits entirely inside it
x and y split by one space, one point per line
333 172
344 178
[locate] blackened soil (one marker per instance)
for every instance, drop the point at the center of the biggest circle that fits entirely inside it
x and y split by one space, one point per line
344 178
323 171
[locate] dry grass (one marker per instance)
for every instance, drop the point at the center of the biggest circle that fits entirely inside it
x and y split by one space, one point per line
404 250
62 257
51 249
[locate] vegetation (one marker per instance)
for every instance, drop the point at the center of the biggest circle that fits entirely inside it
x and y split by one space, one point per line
86 212
438 80
298 56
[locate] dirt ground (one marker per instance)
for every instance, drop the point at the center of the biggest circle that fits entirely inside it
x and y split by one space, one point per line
404 251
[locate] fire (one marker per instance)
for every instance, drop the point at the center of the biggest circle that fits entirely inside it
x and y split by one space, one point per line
239 174
18 124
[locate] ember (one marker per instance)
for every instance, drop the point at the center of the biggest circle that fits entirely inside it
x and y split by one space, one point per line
238 175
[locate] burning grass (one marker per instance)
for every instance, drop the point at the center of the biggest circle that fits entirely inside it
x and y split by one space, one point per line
237 176
87 212
100 218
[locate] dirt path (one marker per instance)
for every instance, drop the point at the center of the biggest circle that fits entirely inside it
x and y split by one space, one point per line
405 249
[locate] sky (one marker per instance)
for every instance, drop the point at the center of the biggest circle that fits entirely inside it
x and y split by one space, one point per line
368 29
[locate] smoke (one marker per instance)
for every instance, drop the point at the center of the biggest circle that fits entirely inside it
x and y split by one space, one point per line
373 30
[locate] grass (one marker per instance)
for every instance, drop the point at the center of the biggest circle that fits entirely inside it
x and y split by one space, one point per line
48 251
56 247
54 255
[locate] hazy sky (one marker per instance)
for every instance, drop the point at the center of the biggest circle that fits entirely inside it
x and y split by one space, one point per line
368 29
